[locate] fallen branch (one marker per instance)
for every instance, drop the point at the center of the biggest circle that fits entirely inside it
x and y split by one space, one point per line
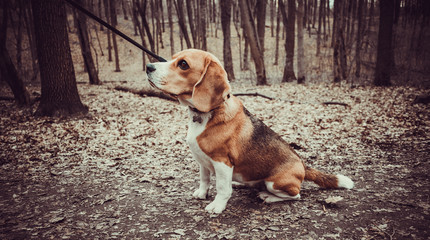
336 103
256 94
146 93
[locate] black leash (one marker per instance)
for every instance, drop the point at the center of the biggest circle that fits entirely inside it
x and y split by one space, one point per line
116 31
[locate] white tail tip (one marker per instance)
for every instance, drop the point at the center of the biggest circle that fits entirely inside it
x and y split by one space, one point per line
344 182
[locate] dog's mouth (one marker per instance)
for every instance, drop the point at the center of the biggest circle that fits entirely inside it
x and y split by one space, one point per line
164 91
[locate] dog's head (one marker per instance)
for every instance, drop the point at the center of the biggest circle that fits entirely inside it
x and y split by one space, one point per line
195 77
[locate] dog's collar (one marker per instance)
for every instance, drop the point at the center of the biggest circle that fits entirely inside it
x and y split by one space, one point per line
195 110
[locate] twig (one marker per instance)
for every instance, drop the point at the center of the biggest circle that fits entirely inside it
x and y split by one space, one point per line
336 103
255 94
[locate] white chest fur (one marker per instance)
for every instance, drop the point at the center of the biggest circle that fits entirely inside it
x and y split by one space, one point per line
196 126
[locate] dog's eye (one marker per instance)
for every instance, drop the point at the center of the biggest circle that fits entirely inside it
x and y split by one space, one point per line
183 65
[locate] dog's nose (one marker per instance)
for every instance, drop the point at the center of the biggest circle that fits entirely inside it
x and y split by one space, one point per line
150 68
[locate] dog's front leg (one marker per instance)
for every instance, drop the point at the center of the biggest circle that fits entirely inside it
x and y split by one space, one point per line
205 176
224 188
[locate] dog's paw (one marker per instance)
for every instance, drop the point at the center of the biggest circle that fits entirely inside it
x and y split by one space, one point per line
200 194
216 207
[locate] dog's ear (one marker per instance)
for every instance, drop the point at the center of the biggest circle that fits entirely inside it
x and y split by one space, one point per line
210 91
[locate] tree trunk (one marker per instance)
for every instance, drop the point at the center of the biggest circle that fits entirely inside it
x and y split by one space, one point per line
300 49
191 20
179 5
7 69
169 13
278 23
112 6
272 17
108 32
319 28
384 52
359 36
225 23
136 13
251 35
60 95
289 24
336 41
85 46
261 22
124 8
203 14
32 42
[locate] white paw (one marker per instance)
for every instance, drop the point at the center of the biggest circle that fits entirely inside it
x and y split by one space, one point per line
200 194
216 206
344 182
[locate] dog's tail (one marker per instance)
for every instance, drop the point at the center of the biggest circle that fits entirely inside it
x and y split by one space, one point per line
325 180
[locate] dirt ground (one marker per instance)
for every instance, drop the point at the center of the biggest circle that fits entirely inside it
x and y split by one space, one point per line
125 171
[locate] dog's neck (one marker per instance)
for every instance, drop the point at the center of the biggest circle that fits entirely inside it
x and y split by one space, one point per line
224 112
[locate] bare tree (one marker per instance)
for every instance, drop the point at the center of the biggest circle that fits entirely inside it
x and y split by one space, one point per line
7 68
179 6
202 22
384 52
108 32
300 49
289 25
358 39
60 95
191 20
278 23
320 13
84 41
260 9
225 23
31 40
136 13
170 18
114 22
251 35
339 53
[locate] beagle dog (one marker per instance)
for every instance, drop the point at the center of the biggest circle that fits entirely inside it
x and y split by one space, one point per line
228 141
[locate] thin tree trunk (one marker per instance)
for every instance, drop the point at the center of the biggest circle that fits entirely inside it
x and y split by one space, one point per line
124 8
336 41
115 45
85 46
300 50
321 7
108 32
278 23
358 39
261 22
179 5
7 69
225 23
203 14
169 13
191 20
253 41
32 42
384 52
272 17
289 25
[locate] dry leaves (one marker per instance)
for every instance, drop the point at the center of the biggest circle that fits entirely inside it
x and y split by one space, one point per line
126 171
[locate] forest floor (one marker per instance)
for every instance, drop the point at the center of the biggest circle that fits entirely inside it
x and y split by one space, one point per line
125 171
